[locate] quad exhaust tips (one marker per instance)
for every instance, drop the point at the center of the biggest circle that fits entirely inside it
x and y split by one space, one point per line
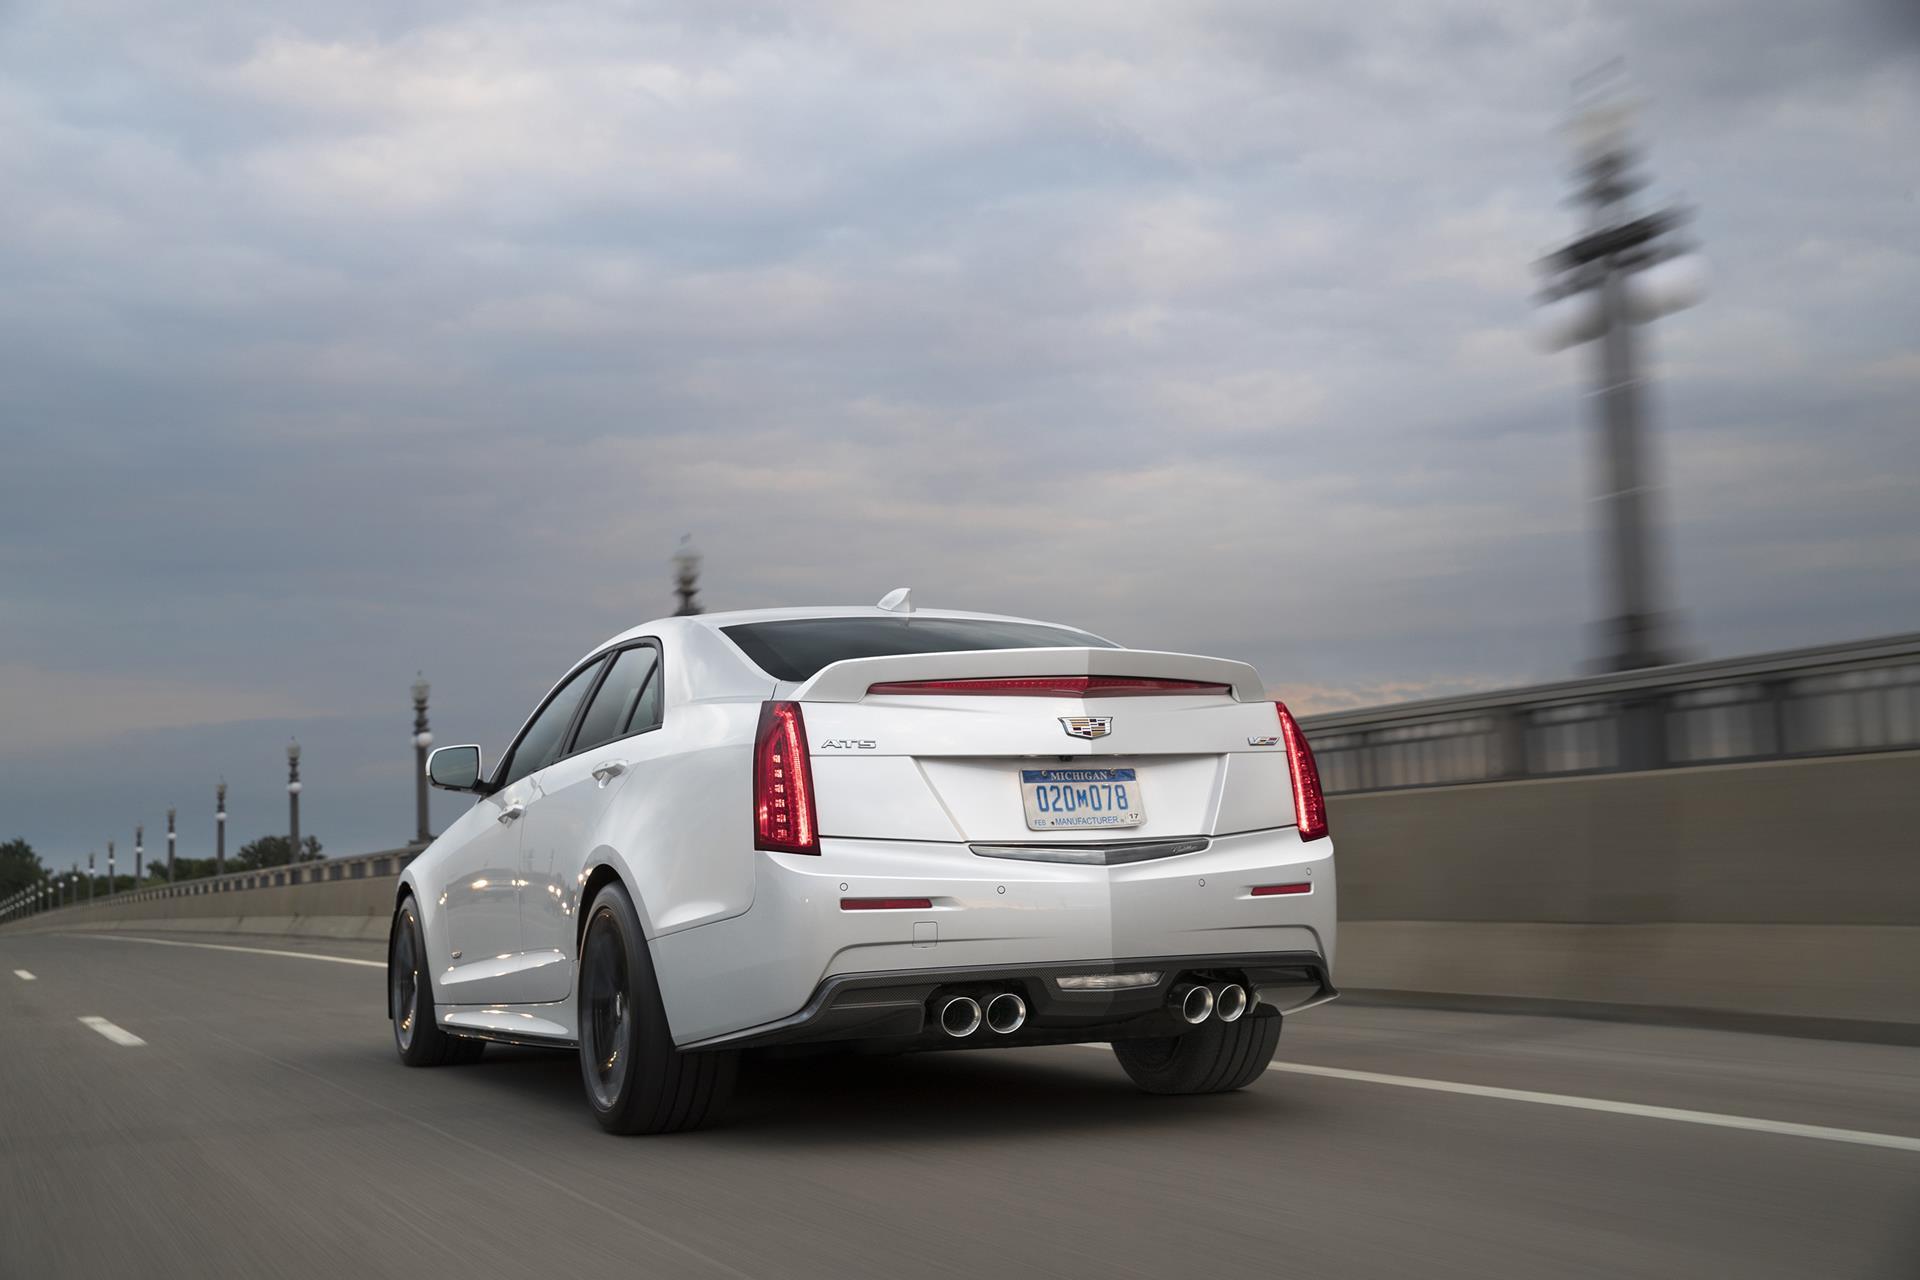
960 1016
1005 1012
1194 1003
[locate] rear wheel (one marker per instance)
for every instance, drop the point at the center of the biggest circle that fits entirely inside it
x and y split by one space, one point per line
636 1081
416 1035
1215 1057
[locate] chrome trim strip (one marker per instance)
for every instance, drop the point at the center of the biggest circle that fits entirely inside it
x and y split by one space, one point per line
1096 855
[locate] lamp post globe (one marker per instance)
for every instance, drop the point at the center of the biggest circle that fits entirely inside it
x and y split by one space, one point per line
293 806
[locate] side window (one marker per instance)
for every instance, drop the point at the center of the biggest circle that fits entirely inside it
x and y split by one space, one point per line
646 711
541 743
610 715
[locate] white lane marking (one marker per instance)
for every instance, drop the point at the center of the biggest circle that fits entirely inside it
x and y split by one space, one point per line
24 976
119 1035
252 951
1859 1137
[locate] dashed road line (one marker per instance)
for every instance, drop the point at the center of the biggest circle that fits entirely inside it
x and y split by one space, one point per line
24 976
119 1035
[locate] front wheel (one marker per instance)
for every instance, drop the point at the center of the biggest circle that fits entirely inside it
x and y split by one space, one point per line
637 1082
1215 1057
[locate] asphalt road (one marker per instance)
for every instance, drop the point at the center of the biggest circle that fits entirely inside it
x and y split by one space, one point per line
262 1128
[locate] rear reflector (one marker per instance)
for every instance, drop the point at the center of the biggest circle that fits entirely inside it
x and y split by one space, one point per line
886 904
1053 687
1280 890
1309 803
1106 981
782 782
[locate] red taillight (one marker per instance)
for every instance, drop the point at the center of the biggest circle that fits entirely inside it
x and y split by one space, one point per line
1281 890
1052 687
782 782
886 904
1309 804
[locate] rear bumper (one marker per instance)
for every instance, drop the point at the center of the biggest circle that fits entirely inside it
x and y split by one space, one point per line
785 963
897 1007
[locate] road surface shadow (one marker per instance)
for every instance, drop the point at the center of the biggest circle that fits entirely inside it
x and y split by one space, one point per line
961 1096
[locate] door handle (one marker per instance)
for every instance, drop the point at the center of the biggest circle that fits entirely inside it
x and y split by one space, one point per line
511 812
609 771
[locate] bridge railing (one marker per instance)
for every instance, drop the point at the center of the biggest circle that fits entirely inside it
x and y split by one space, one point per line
1831 700
363 866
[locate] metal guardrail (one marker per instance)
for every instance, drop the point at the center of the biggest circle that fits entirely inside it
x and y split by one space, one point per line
1830 700
363 866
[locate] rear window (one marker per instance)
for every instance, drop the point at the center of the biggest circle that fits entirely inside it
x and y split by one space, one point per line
797 648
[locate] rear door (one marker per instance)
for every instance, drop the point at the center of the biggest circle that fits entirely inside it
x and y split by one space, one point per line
571 797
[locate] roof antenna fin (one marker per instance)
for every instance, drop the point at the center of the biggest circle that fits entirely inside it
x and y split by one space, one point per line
898 600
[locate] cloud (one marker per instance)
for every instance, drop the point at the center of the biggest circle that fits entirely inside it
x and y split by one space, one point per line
350 341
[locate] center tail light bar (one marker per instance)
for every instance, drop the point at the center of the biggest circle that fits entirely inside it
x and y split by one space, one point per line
1054 687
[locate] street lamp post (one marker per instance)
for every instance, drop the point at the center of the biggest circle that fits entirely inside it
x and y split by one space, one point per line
139 853
686 577
293 806
169 844
220 828
422 740
1624 269
90 877
113 882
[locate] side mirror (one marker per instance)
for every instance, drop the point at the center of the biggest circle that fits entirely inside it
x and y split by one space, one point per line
455 768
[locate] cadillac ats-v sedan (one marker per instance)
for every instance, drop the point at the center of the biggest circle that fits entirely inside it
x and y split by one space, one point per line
880 828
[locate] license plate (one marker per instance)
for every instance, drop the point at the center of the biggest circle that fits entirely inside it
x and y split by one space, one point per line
1058 799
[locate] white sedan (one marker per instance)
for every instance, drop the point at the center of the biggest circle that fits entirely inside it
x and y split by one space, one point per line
881 826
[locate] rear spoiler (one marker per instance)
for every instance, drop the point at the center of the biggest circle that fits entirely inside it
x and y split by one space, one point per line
847 681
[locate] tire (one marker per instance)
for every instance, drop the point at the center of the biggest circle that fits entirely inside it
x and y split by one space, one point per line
416 1034
636 1081
1215 1057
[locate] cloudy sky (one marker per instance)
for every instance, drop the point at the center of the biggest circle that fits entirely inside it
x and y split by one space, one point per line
340 341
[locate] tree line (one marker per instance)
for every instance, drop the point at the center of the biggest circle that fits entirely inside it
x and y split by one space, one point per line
20 866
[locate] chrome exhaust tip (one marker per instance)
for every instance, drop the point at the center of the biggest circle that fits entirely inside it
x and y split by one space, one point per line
1230 1002
1006 1013
960 1016
1194 1003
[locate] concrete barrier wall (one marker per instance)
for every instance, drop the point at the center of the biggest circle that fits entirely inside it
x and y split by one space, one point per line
1834 840
328 909
1780 890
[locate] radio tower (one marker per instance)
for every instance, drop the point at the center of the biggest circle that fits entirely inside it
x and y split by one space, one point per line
1623 270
